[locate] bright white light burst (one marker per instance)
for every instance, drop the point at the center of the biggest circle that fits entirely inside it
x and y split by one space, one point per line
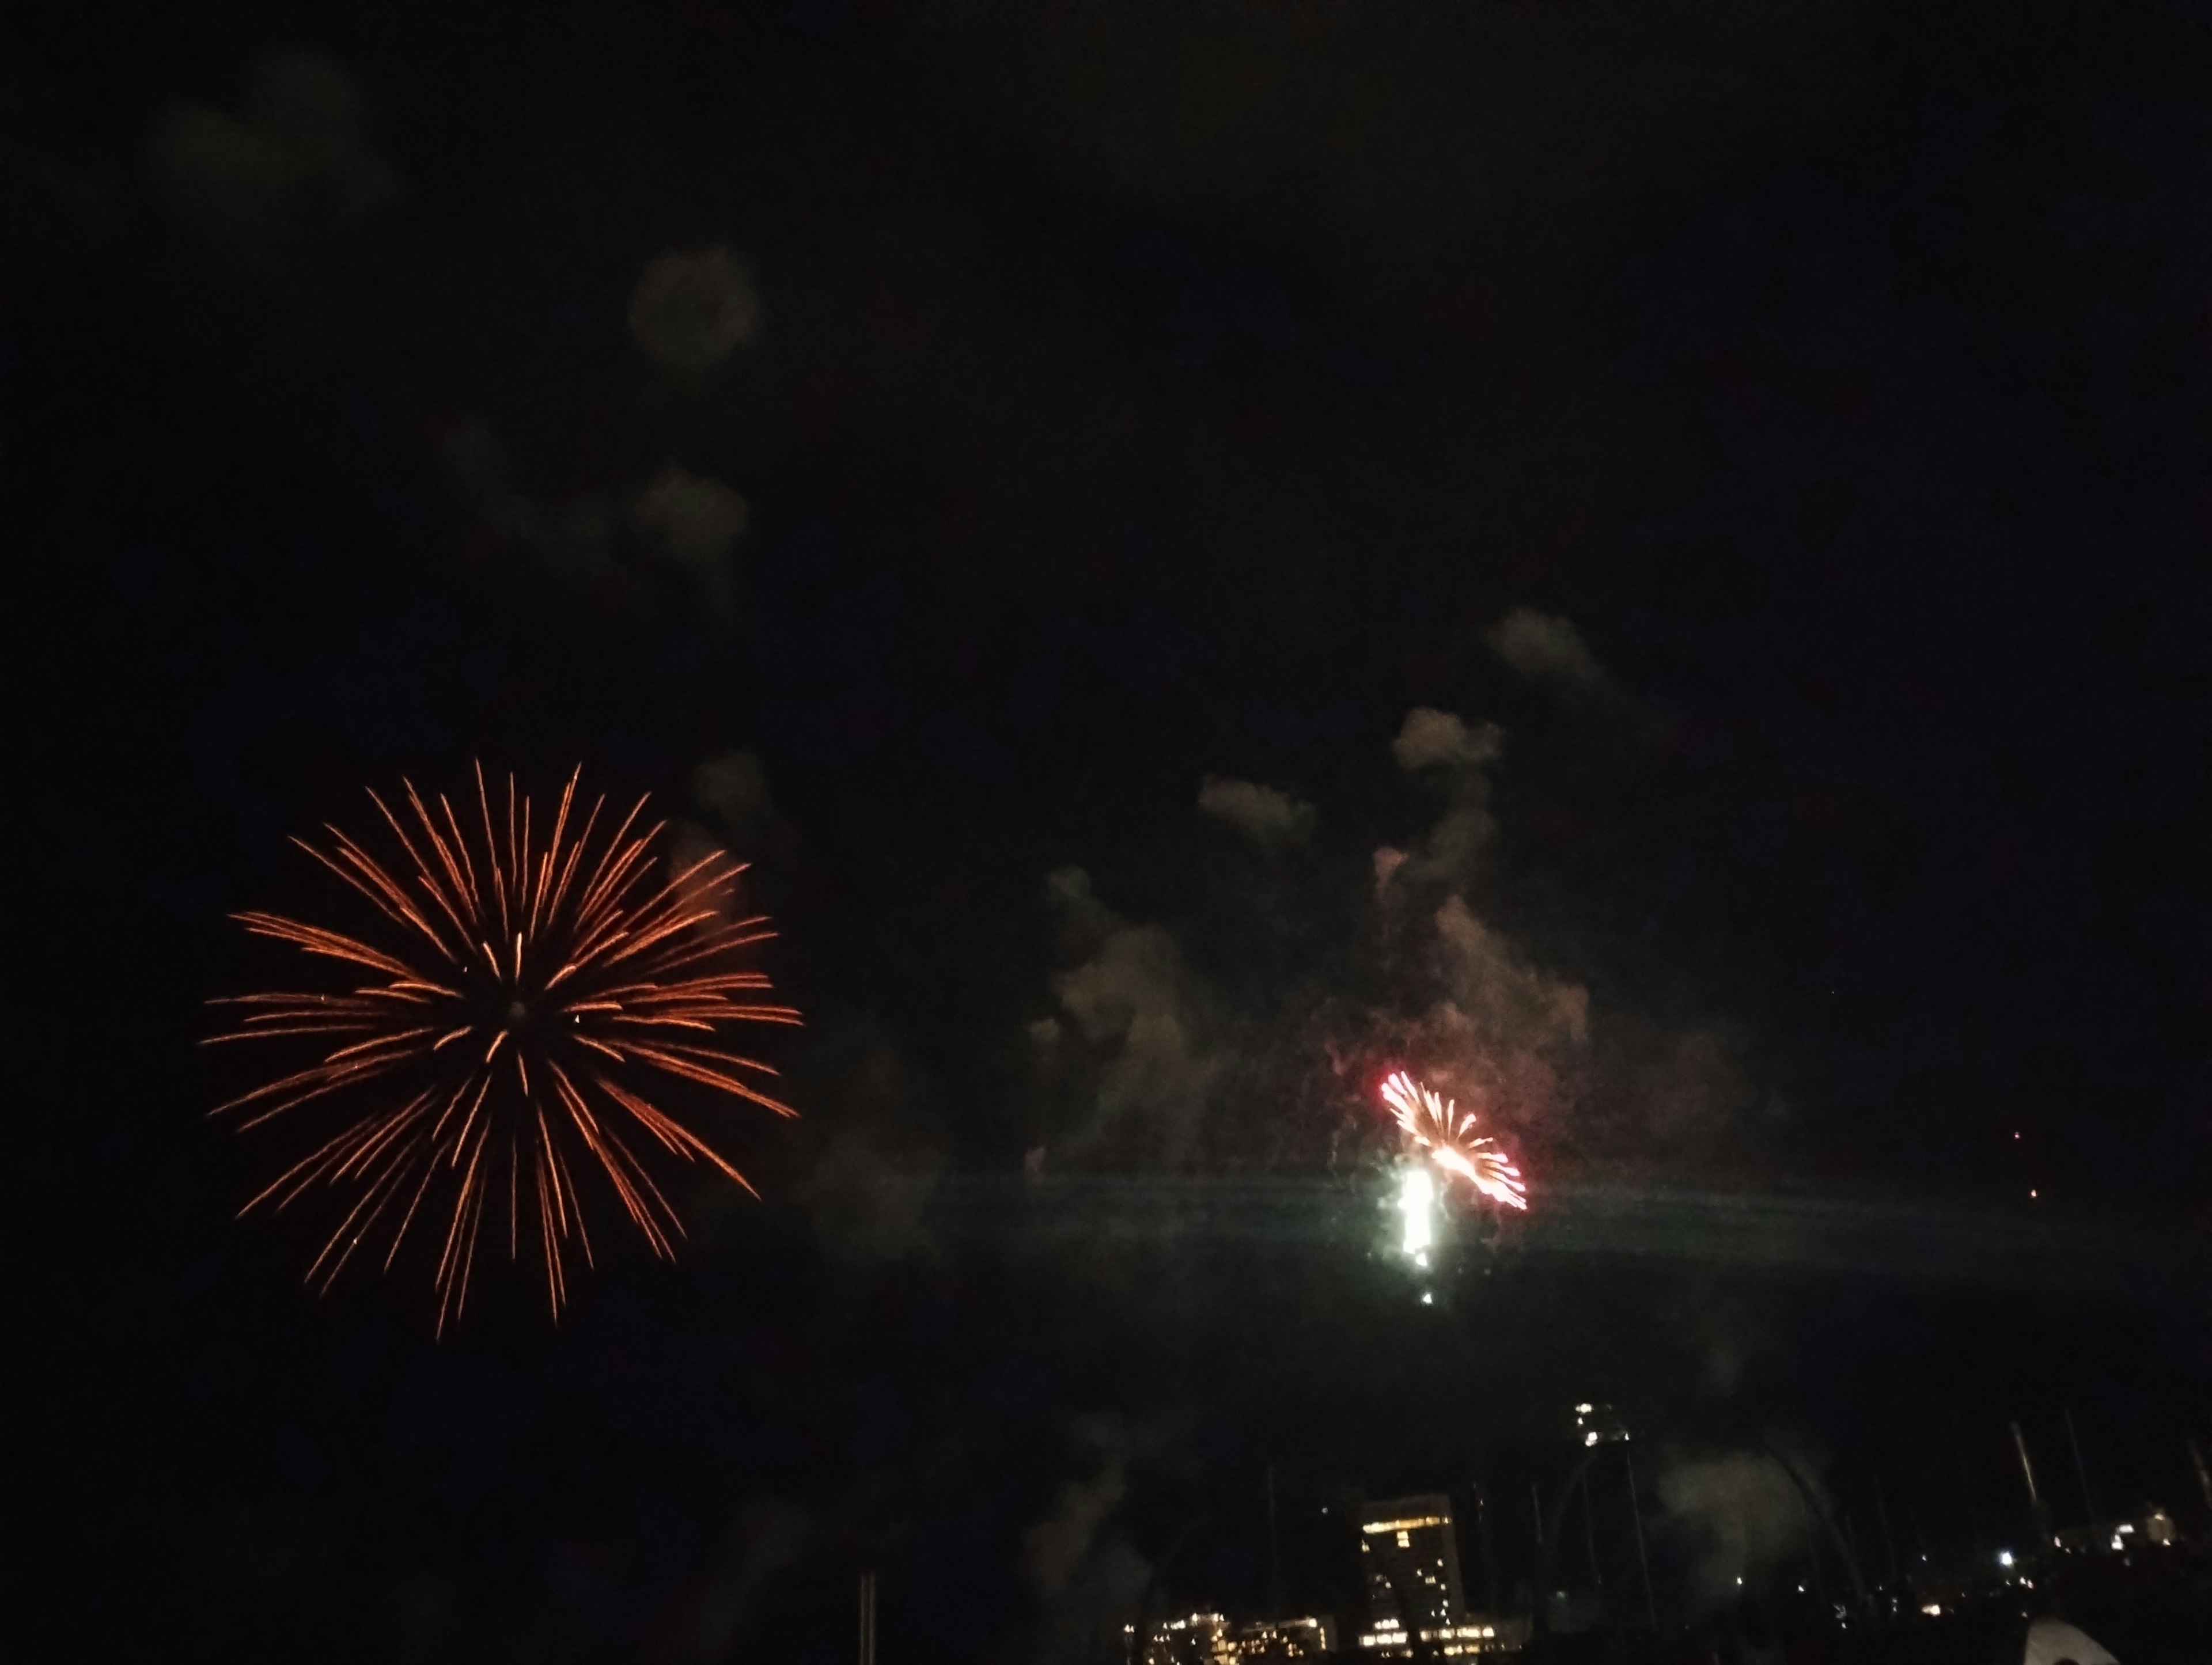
1417 1201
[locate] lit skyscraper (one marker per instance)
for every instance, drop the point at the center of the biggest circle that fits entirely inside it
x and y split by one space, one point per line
1409 1562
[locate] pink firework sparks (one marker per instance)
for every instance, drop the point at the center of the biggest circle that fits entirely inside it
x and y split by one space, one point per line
1440 1128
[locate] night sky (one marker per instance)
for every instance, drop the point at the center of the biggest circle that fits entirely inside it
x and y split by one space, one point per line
940 452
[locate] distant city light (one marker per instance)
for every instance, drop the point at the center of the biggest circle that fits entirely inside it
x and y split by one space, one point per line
1405 1523
2004 1558
1210 1639
1933 1609
1600 1425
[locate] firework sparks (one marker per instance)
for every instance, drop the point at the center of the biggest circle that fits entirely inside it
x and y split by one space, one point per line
526 989
1446 1135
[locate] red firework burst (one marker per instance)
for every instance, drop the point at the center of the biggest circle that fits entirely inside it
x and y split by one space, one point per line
523 996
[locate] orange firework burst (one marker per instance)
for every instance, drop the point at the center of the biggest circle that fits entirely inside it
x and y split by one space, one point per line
1438 1126
526 991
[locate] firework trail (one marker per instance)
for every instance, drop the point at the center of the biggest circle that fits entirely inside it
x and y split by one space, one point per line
526 989
1435 1124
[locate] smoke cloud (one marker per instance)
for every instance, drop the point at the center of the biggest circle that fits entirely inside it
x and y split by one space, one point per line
1087 1578
1456 755
679 521
1272 819
869 1186
1544 648
1548 651
1132 1015
1697 1085
868 1193
577 539
1149 1064
1743 1516
1507 1038
1054 1548
769 1535
294 168
1496 993
732 790
1083 1624
693 521
690 312
1438 739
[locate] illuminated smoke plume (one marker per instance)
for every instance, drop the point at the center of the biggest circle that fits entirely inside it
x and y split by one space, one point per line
1547 651
575 538
691 311
1271 818
292 169
1743 1517
868 1189
688 313
1086 1578
1153 1065
1497 1002
731 790
1544 648
1456 755
1486 1022
1054 1547
1438 739
683 522
1490 1026
769 1535
694 521
1133 1010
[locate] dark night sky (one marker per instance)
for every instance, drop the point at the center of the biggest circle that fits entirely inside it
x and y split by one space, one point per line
1143 392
